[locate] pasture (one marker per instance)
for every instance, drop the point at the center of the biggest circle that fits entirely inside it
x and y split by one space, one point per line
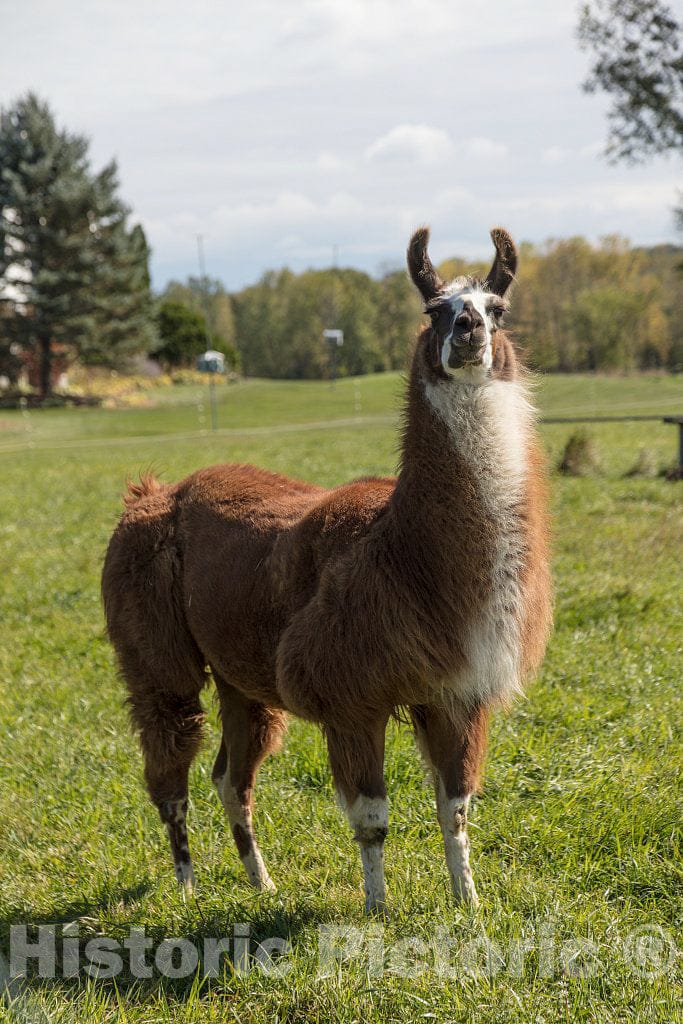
576 837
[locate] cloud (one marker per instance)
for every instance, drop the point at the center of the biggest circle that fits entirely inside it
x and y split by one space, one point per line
593 149
414 143
330 162
554 155
482 148
561 154
289 214
298 228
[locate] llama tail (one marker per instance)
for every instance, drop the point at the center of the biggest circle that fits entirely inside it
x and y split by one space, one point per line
135 492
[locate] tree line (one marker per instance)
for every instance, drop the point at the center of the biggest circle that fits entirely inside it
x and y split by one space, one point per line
576 307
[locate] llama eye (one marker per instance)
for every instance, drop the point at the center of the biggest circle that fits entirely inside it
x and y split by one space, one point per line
498 312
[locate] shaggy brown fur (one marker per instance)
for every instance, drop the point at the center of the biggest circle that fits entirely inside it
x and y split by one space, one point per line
340 606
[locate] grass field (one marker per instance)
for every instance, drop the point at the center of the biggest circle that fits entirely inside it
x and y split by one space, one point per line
576 838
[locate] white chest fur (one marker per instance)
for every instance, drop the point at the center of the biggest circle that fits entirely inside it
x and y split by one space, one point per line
488 425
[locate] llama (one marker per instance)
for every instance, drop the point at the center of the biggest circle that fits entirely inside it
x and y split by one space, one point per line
427 594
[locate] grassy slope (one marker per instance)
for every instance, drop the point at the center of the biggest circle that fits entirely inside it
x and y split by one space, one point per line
580 820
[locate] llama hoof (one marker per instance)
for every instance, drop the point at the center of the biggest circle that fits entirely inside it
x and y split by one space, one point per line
465 895
185 879
377 909
263 883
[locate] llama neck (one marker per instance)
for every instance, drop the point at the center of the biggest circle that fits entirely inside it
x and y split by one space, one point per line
464 452
462 525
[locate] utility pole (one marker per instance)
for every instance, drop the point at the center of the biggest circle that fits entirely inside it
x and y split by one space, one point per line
333 335
207 329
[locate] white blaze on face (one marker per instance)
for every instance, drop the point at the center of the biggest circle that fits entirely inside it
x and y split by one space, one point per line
457 296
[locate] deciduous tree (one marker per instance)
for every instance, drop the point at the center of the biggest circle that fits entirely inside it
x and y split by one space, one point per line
637 59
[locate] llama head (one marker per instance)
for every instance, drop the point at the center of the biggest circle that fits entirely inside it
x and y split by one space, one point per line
466 314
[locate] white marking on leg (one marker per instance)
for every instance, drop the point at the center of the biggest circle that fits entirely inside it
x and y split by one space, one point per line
257 871
185 875
240 816
372 859
453 820
369 819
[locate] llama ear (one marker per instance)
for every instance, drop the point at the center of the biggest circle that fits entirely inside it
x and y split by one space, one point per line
422 271
502 272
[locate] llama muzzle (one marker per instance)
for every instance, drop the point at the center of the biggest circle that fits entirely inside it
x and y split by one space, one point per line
466 351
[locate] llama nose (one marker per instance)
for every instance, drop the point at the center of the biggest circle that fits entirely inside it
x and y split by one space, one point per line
468 319
469 325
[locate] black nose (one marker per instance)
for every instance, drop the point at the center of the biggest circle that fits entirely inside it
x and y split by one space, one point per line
469 326
469 318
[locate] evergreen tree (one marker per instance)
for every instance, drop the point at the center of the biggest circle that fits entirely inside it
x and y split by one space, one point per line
123 324
71 271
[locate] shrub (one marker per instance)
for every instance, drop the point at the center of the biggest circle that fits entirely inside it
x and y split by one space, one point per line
645 464
580 456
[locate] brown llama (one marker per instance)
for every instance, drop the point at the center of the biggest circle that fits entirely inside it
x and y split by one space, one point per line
428 592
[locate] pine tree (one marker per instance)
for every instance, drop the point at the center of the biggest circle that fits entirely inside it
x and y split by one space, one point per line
71 271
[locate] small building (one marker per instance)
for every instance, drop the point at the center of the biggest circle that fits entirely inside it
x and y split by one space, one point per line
211 362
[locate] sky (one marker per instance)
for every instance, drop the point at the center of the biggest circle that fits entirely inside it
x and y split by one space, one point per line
280 130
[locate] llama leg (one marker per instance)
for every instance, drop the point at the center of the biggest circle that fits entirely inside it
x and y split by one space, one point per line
357 759
167 714
250 732
170 733
173 813
454 746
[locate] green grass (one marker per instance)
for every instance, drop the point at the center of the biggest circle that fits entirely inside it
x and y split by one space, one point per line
268 403
578 829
